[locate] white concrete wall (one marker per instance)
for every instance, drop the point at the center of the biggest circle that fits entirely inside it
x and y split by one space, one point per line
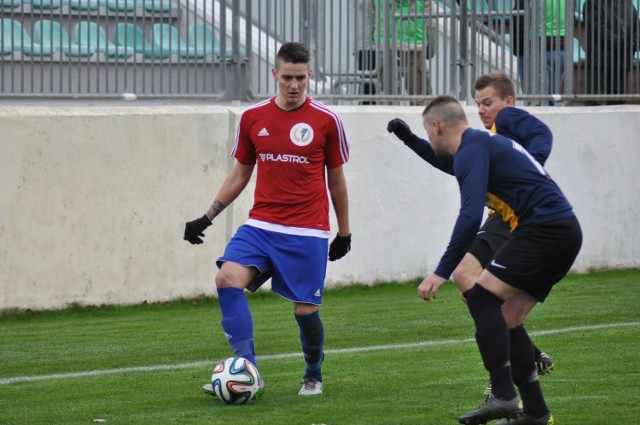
93 199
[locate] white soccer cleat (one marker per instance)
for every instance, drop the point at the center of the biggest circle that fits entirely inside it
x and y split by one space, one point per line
208 388
310 386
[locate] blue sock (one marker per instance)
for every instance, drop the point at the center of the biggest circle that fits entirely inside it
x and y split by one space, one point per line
312 340
237 322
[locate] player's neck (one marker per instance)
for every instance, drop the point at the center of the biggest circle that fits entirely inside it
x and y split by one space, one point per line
282 103
456 138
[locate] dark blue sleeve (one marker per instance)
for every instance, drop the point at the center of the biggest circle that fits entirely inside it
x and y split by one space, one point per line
472 172
522 127
425 151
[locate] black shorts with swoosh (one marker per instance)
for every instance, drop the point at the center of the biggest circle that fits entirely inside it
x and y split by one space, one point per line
538 255
490 238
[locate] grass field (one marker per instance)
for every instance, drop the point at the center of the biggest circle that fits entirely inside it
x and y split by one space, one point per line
391 358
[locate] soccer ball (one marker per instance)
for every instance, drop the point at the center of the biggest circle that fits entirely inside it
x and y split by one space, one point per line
235 380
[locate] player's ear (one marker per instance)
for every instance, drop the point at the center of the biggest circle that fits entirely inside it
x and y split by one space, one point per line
274 73
437 126
309 73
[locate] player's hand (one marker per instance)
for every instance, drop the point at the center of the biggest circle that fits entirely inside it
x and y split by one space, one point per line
339 247
429 287
400 128
193 230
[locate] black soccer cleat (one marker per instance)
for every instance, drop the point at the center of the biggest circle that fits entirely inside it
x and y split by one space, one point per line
525 419
492 408
545 364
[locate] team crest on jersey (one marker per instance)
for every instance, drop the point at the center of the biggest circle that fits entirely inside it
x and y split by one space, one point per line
301 134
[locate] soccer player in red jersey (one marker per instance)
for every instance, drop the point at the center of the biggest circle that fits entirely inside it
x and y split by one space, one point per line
295 142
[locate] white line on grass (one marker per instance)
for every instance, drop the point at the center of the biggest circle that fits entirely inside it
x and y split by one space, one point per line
204 363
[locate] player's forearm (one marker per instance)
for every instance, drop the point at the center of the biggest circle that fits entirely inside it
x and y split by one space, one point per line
424 150
216 208
462 236
342 216
340 200
232 187
226 195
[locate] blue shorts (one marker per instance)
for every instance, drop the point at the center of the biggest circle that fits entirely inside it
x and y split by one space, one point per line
297 265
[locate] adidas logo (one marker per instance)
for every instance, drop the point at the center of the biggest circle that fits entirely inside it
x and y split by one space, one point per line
263 132
317 294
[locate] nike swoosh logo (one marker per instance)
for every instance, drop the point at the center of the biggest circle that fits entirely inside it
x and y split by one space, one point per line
481 231
500 266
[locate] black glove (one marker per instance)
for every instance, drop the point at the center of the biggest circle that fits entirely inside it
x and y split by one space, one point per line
400 128
339 247
193 229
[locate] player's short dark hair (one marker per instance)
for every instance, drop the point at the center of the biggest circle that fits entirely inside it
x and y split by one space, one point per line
447 109
293 53
499 81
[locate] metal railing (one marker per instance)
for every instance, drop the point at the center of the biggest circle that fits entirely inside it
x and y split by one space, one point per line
364 51
113 48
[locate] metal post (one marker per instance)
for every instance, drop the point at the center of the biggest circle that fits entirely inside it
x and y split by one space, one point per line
248 47
464 51
235 45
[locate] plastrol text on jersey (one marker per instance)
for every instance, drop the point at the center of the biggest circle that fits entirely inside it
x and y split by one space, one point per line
284 158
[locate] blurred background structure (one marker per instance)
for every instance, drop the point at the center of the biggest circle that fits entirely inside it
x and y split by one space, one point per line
364 51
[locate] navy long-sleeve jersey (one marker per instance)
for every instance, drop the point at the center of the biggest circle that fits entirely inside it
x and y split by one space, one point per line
514 123
498 172
522 127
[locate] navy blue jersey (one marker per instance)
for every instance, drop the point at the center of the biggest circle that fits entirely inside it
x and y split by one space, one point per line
497 172
425 151
514 123
519 125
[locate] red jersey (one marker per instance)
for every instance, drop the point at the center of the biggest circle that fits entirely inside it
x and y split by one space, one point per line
292 150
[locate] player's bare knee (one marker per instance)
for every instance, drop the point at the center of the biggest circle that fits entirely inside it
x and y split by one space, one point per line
513 322
463 279
513 315
222 280
302 309
226 278
234 275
